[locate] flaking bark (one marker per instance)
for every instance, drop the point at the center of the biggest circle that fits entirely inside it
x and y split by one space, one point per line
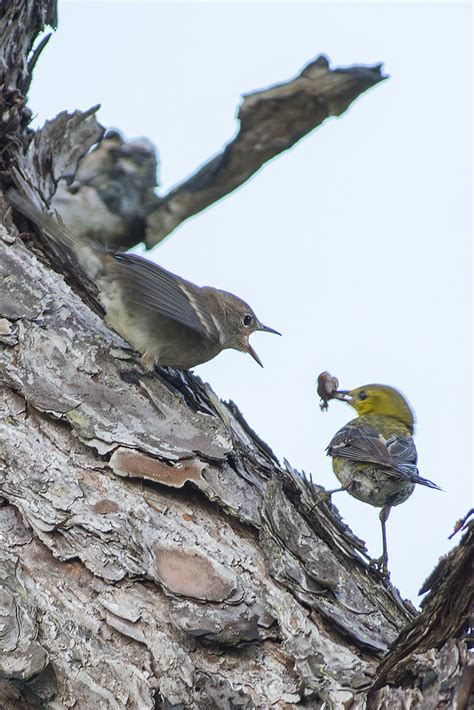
155 554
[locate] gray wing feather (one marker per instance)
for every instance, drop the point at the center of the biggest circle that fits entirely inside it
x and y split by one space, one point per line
397 455
148 285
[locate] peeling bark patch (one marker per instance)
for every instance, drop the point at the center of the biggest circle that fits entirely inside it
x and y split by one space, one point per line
192 575
5 327
57 148
129 463
105 506
21 656
8 334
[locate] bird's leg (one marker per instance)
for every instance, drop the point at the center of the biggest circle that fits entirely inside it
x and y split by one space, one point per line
382 563
147 361
383 515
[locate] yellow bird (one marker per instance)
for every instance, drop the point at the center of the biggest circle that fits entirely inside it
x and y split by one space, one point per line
374 456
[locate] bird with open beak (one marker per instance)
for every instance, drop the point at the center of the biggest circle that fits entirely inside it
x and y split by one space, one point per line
170 321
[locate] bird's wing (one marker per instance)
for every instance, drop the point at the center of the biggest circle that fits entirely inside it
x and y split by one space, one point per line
148 285
364 444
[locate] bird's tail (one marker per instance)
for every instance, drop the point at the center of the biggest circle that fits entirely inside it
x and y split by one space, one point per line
416 478
51 226
426 482
410 471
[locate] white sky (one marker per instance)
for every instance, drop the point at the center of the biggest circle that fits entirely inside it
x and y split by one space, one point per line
355 244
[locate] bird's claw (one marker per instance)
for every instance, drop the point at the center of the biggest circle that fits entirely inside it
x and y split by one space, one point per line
322 497
148 362
380 565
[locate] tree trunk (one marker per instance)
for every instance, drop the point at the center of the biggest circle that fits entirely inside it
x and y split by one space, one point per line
155 553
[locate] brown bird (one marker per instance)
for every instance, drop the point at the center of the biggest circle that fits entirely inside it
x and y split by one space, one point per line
170 321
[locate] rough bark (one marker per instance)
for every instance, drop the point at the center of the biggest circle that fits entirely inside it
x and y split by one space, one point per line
154 552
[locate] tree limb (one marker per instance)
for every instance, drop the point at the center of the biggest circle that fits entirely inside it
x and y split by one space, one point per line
271 121
119 202
155 553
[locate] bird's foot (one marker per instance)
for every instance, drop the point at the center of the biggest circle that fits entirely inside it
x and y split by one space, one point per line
321 497
380 565
324 496
148 362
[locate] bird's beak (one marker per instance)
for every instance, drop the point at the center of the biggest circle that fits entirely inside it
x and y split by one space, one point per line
343 395
252 352
267 329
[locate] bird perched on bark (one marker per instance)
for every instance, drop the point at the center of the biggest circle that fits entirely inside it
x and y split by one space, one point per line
170 321
374 455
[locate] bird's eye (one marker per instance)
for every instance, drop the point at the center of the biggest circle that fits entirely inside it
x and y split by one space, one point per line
363 395
247 320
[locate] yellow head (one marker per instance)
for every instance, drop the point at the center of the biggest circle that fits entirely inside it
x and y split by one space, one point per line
381 400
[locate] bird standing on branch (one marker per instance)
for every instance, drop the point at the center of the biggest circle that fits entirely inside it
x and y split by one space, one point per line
170 321
374 456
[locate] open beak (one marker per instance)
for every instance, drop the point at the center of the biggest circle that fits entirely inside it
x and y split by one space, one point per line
267 329
252 352
264 329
